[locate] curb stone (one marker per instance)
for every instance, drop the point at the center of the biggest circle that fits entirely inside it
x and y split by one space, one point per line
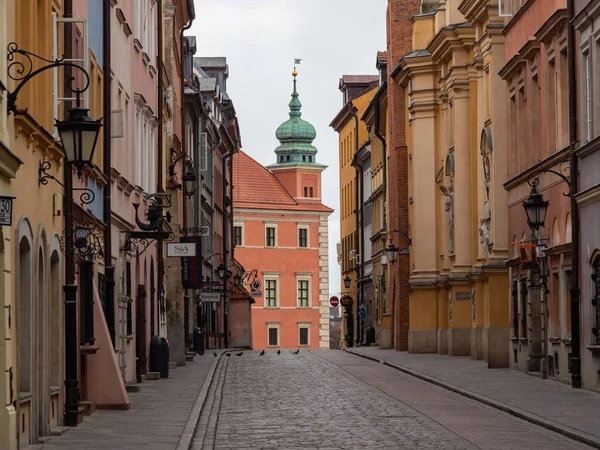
529 417
185 441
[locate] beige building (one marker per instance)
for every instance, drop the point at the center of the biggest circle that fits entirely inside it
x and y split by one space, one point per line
457 167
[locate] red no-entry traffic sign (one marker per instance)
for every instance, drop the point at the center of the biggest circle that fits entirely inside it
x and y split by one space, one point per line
334 301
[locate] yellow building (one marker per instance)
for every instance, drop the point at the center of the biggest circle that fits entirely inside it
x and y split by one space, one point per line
357 92
457 166
31 298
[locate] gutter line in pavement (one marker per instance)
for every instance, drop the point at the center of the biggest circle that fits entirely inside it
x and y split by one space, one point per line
185 441
578 436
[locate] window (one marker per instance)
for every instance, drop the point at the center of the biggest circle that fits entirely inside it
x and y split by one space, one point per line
129 300
271 294
588 95
303 300
273 335
237 236
306 192
270 236
515 308
303 237
303 335
310 192
596 299
524 308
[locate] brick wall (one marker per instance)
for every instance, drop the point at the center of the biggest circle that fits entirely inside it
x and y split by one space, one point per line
399 43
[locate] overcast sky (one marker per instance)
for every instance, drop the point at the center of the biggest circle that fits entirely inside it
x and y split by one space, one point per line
260 39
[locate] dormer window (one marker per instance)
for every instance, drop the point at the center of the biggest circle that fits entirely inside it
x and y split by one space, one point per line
287 158
304 158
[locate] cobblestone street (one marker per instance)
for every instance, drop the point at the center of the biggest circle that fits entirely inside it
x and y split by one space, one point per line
333 400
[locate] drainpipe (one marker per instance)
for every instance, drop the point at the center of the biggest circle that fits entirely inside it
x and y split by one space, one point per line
359 284
109 270
575 294
226 156
159 178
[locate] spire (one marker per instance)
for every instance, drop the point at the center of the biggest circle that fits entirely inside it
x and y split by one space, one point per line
295 104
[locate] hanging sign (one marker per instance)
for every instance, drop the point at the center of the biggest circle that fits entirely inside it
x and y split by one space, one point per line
181 249
191 266
6 210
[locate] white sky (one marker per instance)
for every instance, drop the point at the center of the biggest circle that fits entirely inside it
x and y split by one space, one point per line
260 39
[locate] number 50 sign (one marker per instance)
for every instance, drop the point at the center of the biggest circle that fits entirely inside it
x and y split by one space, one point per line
6 210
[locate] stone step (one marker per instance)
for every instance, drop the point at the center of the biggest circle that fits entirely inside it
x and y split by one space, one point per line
59 431
152 375
43 439
172 365
36 447
189 357
89 408
134 387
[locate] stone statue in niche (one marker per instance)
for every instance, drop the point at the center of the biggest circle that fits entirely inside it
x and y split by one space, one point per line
448 192
485 223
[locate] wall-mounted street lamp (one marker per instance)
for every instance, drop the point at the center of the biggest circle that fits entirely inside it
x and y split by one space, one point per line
536 208
347 282
79 135
189 182
222 271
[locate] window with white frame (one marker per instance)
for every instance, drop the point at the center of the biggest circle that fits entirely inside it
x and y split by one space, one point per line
587 59
138 148
272 335
303 292
271 236
271 292
303 335
303 239
238 235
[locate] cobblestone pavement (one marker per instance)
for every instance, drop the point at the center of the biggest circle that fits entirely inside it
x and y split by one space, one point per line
334 400
155 420
559 405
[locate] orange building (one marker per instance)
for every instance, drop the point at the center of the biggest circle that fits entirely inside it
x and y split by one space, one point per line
280 230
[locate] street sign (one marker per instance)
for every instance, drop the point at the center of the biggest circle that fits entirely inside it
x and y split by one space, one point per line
256 294
255 285
6 210
181 249
334 301
210 297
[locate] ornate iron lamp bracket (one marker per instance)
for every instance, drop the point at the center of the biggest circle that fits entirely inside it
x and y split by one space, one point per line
87 241
87 197
23 73
534 181
137 242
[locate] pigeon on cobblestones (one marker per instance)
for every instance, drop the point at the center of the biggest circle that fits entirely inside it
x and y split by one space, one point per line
227 354
279 352
262 353
296 352
214 353
239 354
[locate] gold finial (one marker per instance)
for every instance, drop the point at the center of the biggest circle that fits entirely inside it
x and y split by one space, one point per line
294 73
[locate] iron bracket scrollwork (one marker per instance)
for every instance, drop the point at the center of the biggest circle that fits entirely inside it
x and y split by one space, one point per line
406 232
137 242
24 72
534 181
87 241
87 197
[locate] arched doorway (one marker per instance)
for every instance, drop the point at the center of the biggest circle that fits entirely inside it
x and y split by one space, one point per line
41 360
25 351
55 338
152 299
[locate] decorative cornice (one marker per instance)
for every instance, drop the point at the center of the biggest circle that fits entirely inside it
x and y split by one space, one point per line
478 11
450 39
9 162
555 24
589 148
551 161
586 15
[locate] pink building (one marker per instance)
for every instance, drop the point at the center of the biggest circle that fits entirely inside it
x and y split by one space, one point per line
280 230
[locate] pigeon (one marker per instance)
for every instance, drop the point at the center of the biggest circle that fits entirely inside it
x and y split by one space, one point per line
227 354
262 353
239 354
296 352
214 353
279 352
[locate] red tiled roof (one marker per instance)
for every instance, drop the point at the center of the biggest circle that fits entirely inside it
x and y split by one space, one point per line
254 186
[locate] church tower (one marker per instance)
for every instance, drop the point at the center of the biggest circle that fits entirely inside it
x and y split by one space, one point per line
296 167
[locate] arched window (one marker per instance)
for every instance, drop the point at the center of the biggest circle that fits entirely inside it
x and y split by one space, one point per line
596 298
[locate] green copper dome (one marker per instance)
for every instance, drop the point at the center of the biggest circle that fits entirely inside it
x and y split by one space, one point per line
296 136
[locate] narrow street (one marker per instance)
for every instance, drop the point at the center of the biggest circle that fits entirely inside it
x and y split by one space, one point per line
333 400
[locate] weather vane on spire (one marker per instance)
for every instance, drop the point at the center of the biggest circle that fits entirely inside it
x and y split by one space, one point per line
296 61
